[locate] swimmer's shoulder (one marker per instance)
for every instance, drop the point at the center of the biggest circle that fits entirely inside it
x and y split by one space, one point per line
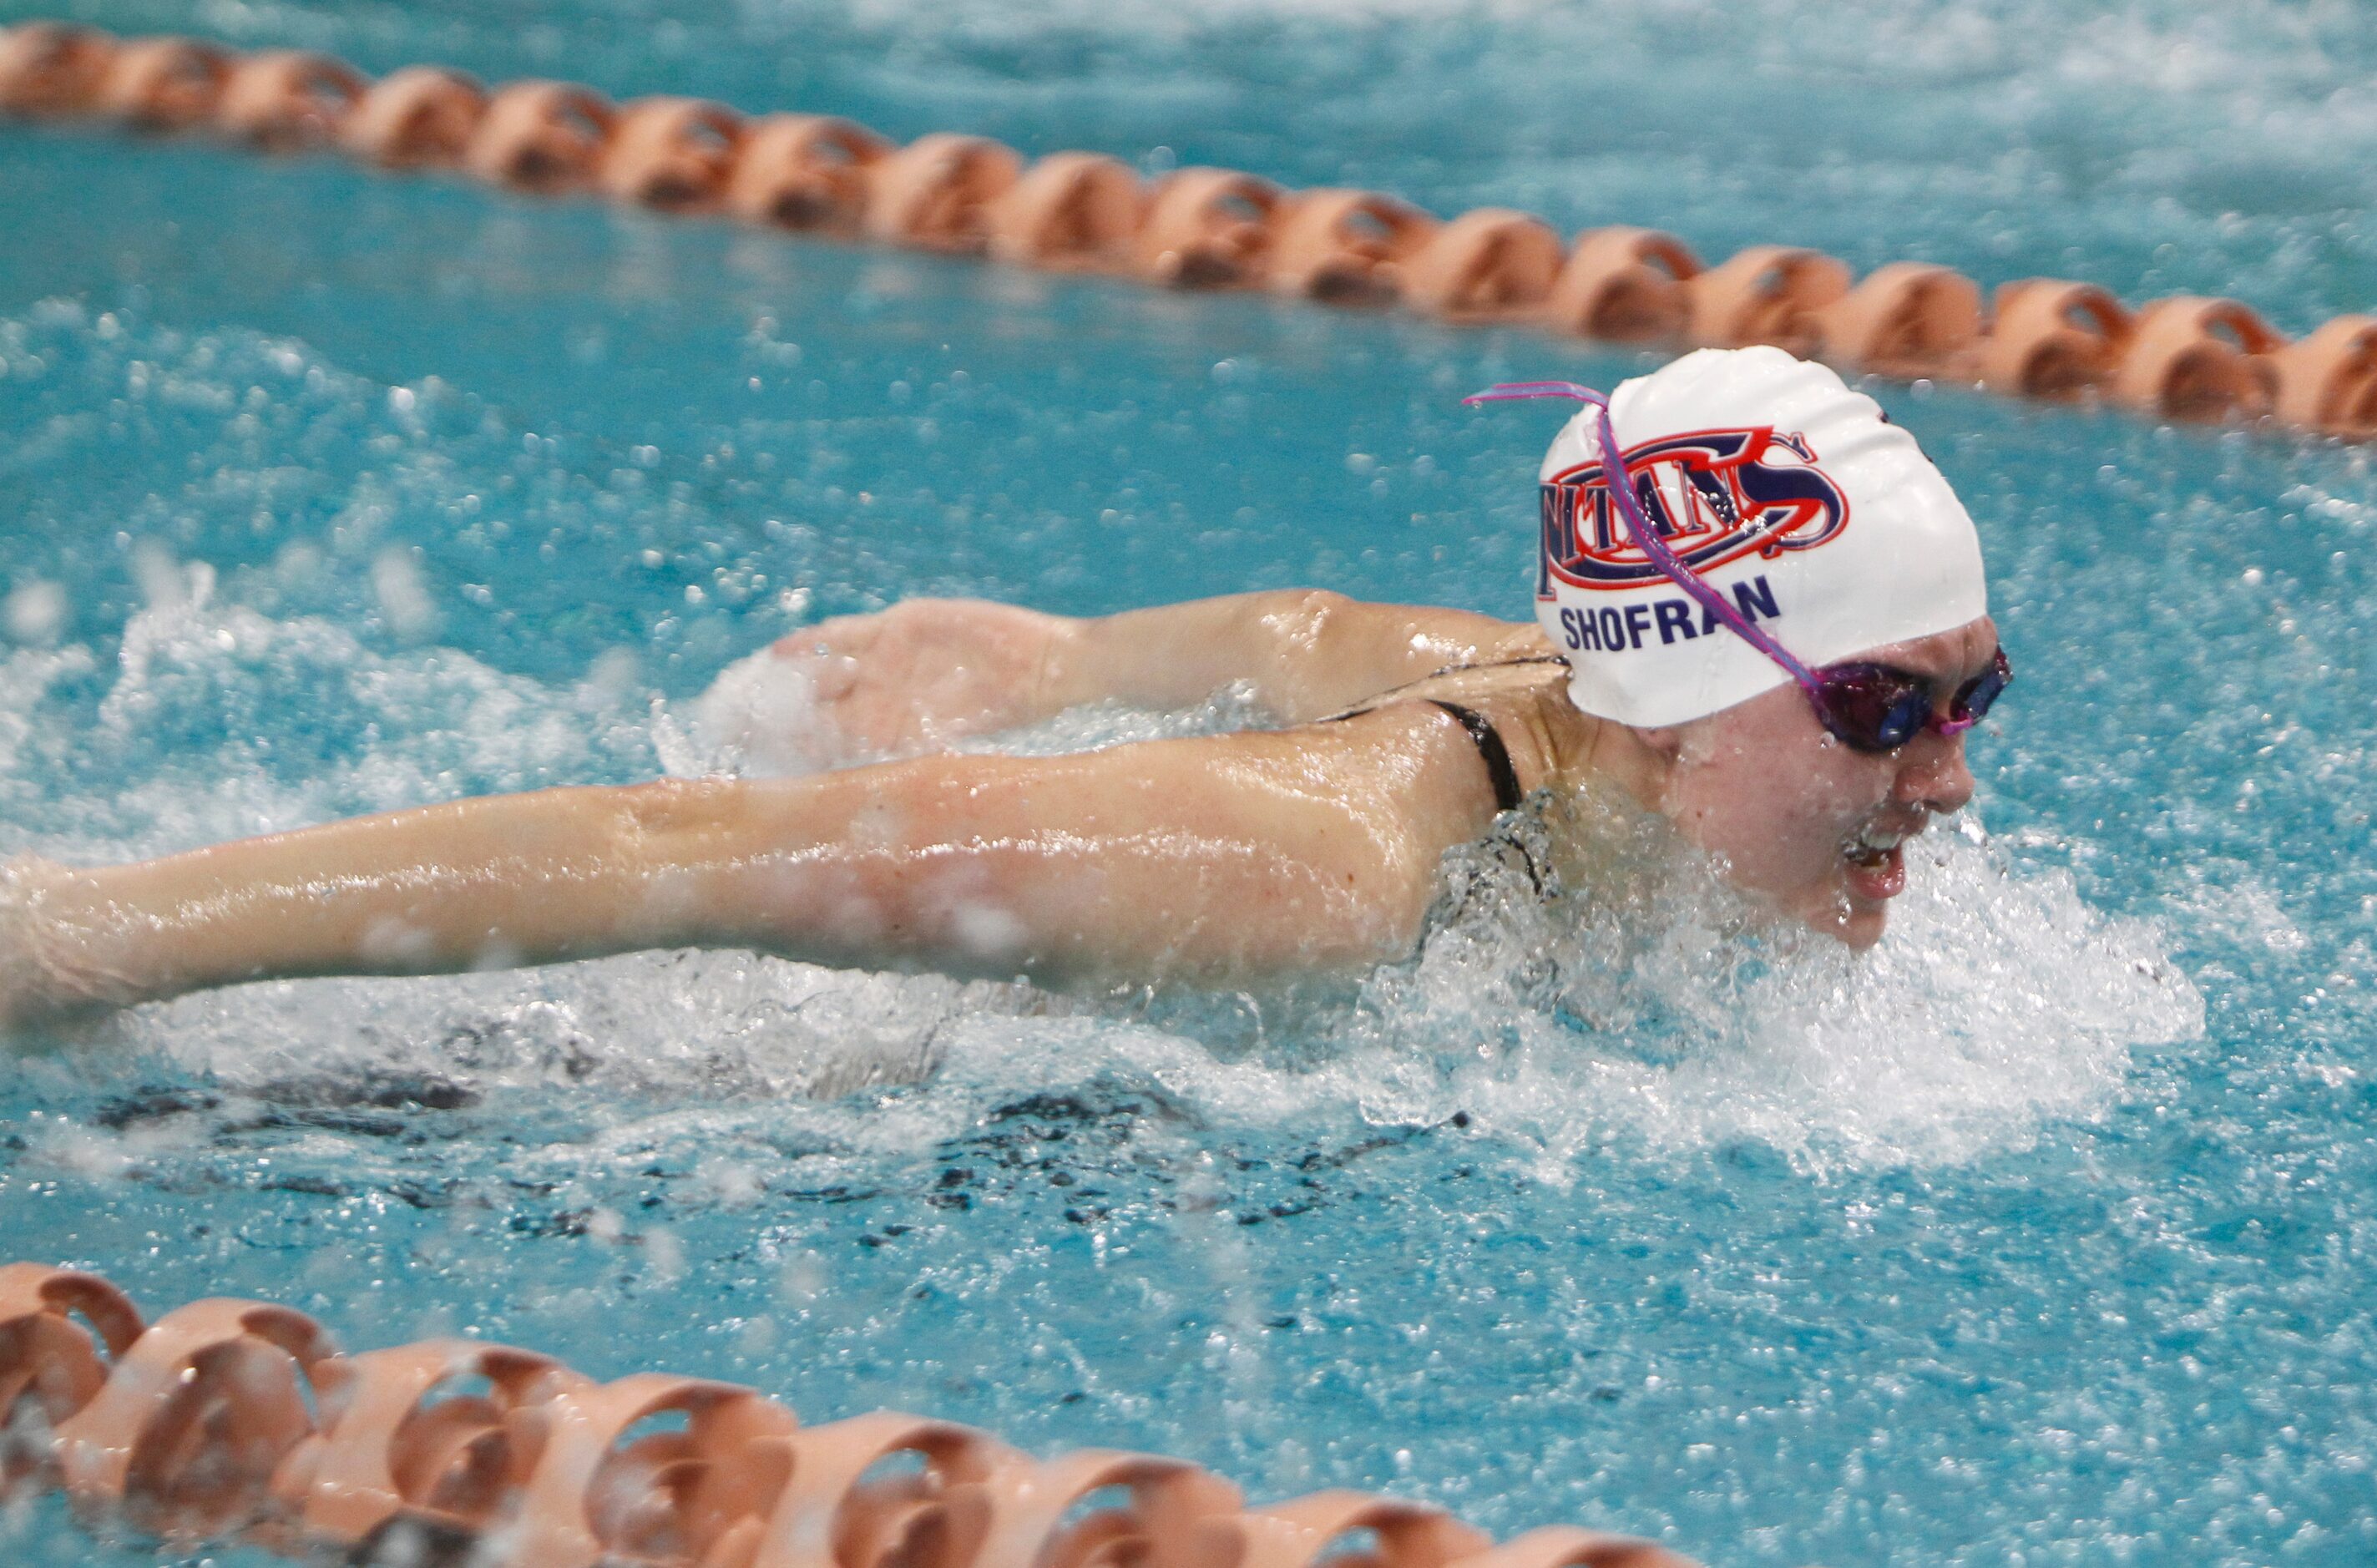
1514 711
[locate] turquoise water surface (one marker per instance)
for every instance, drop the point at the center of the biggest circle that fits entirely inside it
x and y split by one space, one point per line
2043 1234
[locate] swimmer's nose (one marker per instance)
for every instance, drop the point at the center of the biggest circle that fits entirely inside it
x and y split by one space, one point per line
1932 773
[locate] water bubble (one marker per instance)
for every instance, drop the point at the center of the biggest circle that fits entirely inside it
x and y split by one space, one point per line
161 579
403 599
35 612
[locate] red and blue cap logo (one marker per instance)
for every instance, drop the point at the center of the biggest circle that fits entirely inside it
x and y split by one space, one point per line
1713 497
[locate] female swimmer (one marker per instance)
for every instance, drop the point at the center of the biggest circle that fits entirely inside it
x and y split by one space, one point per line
1781 664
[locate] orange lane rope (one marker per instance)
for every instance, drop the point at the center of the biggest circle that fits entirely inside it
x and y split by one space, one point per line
2185 358
226 1418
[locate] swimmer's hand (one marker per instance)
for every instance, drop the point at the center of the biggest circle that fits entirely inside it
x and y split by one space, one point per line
926 672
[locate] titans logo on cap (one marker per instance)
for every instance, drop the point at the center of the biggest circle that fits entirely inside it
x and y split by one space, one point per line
1711 494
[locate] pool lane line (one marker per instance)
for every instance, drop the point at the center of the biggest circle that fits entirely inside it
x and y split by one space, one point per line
2185 358
228 1417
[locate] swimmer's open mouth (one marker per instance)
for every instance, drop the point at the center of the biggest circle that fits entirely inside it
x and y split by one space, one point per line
1873 849
1876 860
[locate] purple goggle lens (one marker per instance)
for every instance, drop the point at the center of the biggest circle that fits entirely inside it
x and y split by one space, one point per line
1866 706
1879 708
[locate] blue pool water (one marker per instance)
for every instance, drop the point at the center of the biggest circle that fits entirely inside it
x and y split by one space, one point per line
2041 1235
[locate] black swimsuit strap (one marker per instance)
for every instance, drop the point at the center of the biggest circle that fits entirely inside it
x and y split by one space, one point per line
1482 733
1505 663
1490 750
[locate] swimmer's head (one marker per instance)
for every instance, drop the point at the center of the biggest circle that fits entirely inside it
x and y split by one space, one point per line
1818 521
1774 531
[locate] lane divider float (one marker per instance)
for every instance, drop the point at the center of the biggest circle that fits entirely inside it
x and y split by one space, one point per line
227 1417
2187 358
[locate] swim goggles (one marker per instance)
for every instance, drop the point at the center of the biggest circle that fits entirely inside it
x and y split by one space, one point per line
1866 706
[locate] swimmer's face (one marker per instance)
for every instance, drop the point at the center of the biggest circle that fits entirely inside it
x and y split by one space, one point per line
1810 823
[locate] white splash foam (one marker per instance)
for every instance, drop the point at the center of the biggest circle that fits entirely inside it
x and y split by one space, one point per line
26 678
439 721
760 717
1998 999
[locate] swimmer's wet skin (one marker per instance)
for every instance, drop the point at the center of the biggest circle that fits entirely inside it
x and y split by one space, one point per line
1801 720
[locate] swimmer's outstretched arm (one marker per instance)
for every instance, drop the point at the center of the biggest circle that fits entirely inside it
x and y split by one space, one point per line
930 669
1219 859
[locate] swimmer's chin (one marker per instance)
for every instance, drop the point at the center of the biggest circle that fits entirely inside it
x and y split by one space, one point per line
1853 910
1856 923
1861 929
1836 908
1842 914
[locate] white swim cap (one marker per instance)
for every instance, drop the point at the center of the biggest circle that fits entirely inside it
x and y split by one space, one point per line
1819 520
